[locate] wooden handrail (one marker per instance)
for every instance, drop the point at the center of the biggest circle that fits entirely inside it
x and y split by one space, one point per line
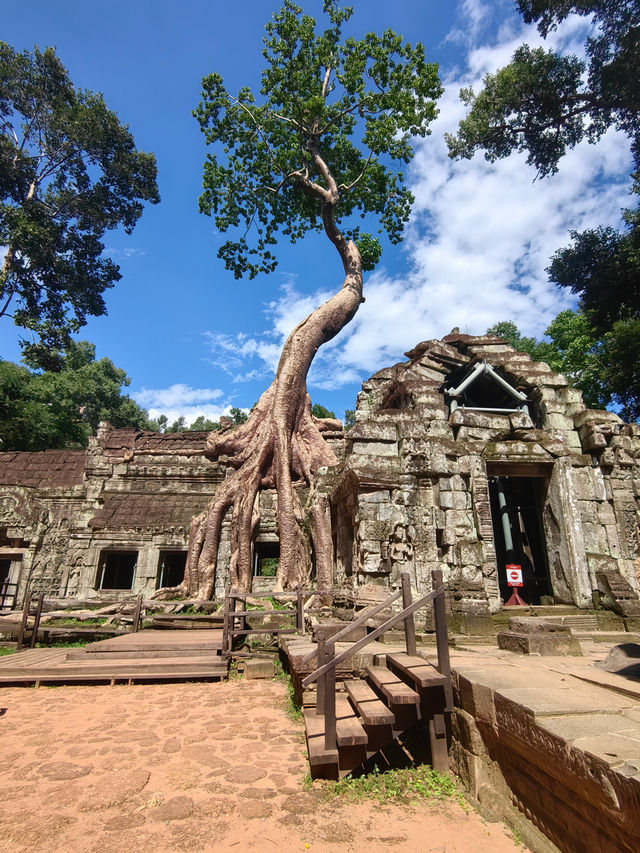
367 614
359 644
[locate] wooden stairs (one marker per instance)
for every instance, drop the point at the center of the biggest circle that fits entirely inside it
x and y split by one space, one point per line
154 655
403 696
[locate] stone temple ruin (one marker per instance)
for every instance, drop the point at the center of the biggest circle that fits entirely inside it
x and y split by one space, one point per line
467 457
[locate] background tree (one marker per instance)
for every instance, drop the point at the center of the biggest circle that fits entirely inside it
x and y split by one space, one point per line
69 171
40 410
605 368
314 147
544 103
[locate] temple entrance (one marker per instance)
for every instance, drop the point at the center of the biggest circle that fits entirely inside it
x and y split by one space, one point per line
516 504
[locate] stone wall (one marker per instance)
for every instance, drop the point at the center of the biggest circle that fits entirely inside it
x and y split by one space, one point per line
414 490
415 483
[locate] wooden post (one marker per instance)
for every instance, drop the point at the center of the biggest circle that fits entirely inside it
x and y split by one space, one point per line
300 613
330 699
442 641
232 620
36 621
409 623
320 685
25 617
225 620
136 616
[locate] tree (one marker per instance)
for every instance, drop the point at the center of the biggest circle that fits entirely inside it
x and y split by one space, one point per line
603 367
69 171
319 411
40 410
316 146
543 103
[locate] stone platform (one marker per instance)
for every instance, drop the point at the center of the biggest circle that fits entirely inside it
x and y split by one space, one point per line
558 738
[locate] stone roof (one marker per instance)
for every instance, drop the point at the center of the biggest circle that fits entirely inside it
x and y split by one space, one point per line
116 442
49 468
124 511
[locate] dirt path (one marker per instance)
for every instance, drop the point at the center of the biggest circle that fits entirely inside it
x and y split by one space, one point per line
194 767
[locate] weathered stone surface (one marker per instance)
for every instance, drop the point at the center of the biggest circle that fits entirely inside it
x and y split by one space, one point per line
177 808
555 643
64 771
623 659
259 668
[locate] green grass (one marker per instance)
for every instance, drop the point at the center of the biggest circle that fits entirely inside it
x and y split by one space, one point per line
292 709
5 651
409 784
62 644
70 622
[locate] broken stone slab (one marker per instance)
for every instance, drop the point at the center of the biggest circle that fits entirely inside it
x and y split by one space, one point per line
536 625
327 629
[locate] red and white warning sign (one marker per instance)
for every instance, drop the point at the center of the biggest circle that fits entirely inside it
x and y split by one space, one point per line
514 574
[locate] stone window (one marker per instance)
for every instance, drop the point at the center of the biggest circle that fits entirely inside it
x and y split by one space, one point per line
266 556
482 389
117 569
171 566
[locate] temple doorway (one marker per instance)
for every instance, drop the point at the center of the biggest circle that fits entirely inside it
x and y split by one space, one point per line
516 512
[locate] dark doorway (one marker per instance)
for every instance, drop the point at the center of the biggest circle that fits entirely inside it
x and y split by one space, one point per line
171 568
518 534
116 569
266 556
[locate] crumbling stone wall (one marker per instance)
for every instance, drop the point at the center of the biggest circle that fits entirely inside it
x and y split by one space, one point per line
411 492
415 479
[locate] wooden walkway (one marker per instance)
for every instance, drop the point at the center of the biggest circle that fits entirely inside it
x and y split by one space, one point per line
152 655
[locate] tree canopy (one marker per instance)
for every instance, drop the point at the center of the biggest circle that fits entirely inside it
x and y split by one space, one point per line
41 410
332 114
69 171
544 103
604 367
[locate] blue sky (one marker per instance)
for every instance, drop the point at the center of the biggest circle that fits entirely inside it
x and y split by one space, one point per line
193 339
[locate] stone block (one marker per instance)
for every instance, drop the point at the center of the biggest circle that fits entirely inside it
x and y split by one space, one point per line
375 448
259 668
558 643
326 630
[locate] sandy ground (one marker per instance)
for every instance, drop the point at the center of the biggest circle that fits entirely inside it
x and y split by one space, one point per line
195 767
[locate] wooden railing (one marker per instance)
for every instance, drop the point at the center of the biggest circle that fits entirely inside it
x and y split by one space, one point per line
235 624
325 674
31 599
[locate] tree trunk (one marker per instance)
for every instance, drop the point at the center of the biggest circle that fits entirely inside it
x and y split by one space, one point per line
280 446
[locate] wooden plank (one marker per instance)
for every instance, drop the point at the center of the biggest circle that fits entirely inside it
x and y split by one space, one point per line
370 707
314 727
349 731
396 691
421 672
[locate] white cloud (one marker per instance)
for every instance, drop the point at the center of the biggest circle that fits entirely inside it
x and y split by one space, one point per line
478 244
182 401
191 413
175 396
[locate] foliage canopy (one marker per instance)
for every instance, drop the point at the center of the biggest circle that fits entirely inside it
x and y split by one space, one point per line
332 117
41 410
69 171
